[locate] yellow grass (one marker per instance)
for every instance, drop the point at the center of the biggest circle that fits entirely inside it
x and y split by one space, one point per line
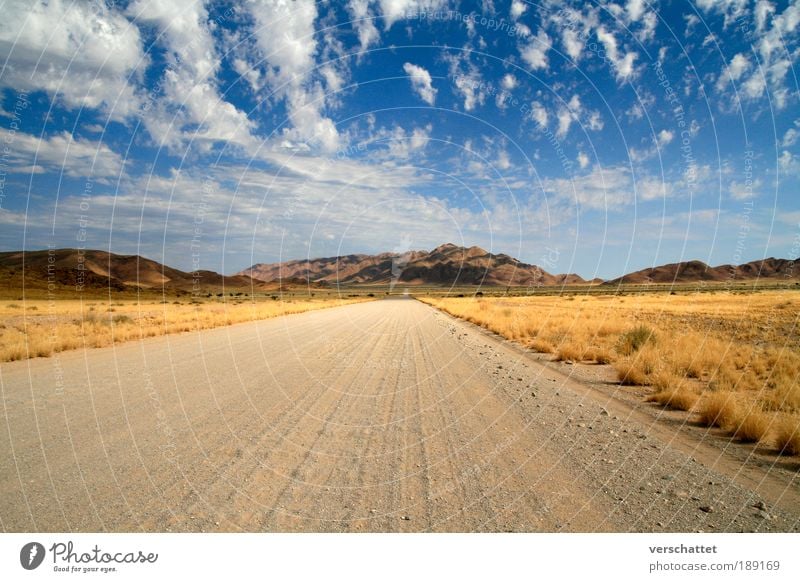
788 437
40 328
694 349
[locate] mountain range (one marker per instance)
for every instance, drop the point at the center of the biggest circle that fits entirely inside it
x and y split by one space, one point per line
445 265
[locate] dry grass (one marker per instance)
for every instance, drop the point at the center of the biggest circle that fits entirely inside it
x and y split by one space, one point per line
752 426
693 349
787 437
61 325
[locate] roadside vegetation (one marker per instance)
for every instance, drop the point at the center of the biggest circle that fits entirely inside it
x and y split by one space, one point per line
40 328
733 359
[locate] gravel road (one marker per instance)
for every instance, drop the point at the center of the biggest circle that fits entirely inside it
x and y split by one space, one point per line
382 416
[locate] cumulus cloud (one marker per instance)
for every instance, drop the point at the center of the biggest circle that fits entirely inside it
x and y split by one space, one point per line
777 33
77 158
284 33
394 10
468 82
84 55
535 52
664 137
191 108
599 189
421 82
622 64
518 8
509 82
738 66
539 114
362 16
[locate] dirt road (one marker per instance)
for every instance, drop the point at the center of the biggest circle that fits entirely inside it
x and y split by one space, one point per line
384 416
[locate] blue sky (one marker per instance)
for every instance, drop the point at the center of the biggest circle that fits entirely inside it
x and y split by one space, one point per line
596 138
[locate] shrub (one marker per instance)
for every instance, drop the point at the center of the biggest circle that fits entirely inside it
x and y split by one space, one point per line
633 340
788 437
599 355
628 372
676 398
542 346
570 352
719 409
752 426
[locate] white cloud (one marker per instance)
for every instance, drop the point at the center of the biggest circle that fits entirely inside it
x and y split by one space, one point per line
401 144
789 163
732 10
539 114
790 137
650 188
467 81
738 66
77 158
191 109
564 121
635 9
518 8
85 55
595 121
763 11
509 82
601 188
744 191
572 44
284 32
535 52
572 112
503 161
421 82
664 137
776 34
394 10
363 23
583 160
691 21
623 65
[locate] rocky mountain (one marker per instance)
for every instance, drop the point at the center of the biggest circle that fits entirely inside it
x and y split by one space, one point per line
100 269
447 264
695 271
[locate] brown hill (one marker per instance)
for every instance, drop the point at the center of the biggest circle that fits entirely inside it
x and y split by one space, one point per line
103 270
695 271
447 265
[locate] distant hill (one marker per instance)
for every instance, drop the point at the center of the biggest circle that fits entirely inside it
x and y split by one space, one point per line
695 271
103 270
447 264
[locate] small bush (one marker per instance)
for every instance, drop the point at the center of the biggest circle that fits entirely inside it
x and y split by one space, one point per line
598 355
629 373
570 352
543 346
678 398
788 437
719 409
632 341
752 427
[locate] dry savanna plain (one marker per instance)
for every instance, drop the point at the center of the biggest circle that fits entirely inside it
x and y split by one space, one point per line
731 358
412 409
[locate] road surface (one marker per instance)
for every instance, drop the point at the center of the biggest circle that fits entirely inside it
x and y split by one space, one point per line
382 416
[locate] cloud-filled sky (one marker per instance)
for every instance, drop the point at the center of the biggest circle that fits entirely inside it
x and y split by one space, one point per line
597 137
